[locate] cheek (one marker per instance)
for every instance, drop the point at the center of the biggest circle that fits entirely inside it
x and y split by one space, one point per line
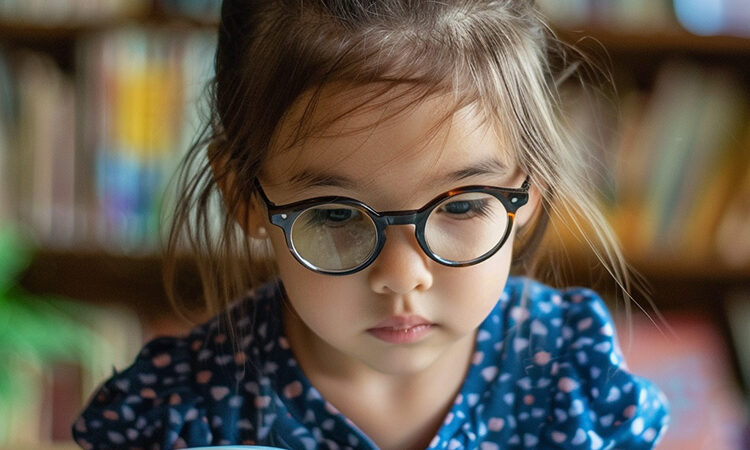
316 298
473 291
294 275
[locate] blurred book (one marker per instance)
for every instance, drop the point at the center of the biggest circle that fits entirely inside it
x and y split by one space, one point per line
80 12
7 125
630 15
85 159
201 10
143 92
706 117
679 156
700 17
61 12
37 144
733 231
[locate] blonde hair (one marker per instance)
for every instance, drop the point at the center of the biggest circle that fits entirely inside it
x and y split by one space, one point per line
497 55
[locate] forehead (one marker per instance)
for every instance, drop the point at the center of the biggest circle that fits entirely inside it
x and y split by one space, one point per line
376 139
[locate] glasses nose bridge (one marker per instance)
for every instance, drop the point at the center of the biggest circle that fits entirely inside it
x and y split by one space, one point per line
400 217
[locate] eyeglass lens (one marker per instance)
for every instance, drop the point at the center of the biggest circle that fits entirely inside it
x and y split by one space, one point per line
334 237
339 237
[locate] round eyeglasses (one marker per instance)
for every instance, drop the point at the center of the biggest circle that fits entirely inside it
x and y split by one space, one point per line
341 236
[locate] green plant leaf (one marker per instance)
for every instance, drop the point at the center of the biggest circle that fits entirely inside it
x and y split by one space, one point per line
15 256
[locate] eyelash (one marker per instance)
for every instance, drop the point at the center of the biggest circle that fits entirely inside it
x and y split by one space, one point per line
477 208
320 217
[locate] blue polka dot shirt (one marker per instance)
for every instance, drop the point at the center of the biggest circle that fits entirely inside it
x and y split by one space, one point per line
547 372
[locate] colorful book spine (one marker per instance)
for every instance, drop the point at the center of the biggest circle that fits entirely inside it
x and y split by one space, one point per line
85 159
147 101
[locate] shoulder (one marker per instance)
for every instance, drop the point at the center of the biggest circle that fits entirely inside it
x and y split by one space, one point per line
178 388
544 301
571 343
561 320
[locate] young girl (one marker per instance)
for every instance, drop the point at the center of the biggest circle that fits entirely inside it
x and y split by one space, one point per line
395 160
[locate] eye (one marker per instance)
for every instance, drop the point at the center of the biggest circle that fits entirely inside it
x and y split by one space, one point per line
337 215
465 209
332 216
461 207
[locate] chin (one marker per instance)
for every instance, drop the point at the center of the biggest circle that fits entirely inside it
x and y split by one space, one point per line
402 362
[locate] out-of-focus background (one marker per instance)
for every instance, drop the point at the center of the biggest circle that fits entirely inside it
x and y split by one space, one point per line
100 98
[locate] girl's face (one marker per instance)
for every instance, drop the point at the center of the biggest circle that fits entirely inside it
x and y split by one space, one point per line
404 312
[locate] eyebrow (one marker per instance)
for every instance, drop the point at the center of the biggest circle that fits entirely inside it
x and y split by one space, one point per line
308 178
485 167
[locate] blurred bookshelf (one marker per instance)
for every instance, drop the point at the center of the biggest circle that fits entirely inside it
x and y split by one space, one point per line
81 181
97 104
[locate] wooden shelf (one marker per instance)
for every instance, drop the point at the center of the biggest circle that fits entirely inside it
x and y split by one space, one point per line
136 280
673 282
99 277
674 40
696 270
26 31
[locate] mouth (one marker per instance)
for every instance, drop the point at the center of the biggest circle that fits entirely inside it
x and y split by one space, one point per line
402 329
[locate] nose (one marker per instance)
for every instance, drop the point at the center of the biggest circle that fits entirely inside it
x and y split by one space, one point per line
401 266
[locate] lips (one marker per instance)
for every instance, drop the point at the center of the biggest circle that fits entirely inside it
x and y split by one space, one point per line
401 329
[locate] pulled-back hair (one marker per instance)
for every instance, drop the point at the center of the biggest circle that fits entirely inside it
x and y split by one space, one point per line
496 55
